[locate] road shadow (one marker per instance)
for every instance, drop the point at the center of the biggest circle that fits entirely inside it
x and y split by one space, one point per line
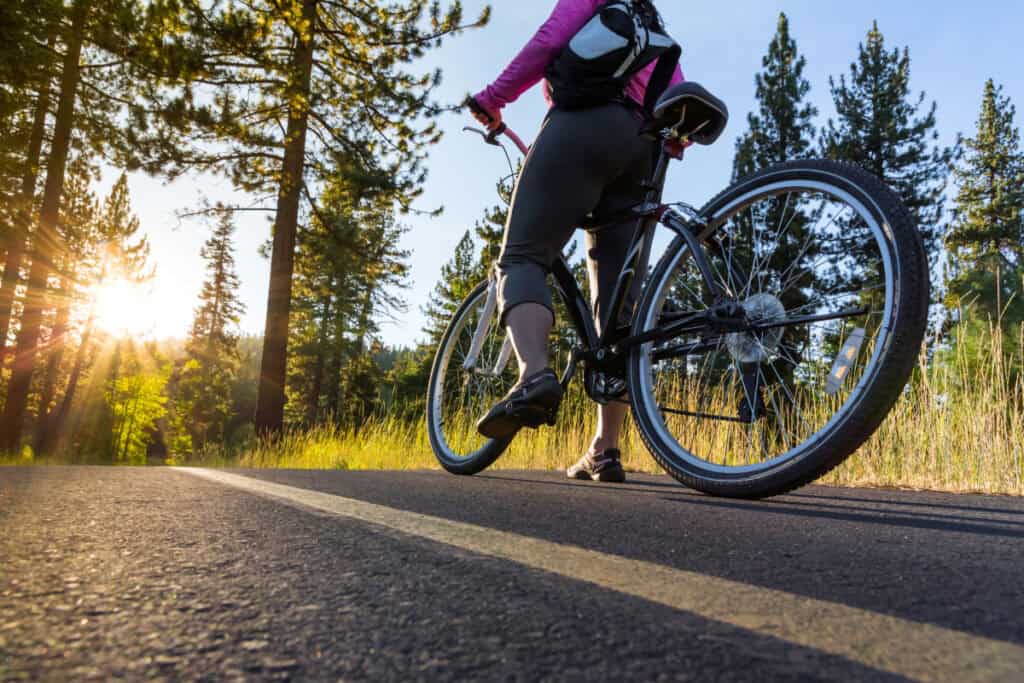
864 515
635 486
818 506
921 504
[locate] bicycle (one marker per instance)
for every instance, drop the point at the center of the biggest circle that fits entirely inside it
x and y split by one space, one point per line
770 341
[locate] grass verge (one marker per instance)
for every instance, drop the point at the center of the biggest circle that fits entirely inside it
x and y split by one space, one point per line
958 427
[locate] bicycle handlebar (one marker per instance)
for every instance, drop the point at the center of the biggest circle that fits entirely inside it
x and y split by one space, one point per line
516 140
491 137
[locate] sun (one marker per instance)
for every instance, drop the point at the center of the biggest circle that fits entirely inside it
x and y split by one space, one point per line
124 308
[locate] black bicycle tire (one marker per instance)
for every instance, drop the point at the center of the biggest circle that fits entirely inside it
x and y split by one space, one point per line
890 375
485 456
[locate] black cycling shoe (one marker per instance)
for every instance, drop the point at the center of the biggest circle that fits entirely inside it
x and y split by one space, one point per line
531 403
605 467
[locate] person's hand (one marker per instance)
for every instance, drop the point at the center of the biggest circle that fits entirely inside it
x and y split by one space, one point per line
492 123
489 119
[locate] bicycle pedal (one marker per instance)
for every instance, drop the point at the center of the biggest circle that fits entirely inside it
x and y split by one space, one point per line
532 419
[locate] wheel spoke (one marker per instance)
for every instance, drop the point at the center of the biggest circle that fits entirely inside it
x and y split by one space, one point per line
778 413
786 255
805 247
821 300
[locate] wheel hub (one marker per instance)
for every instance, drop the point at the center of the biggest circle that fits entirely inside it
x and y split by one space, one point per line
757 346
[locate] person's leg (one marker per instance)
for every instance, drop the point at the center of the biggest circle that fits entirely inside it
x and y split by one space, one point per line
610 420
607 250
529 325
606 254
562 180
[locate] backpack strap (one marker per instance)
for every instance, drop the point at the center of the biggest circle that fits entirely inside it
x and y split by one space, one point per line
662 76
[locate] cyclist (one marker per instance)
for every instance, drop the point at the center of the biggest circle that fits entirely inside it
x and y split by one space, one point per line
590 159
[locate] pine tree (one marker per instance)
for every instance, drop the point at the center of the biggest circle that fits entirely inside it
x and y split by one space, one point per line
204 385
458 276
380 279
408 378
986 239
95 39
77 225
301 89
27 73
45 239
101 243
490 231
349 276
109 247
782 128
26 62
883 128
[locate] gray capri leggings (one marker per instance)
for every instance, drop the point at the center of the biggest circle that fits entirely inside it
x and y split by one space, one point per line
583 161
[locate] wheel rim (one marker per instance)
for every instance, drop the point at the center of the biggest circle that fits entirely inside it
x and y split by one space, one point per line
762 373
458 396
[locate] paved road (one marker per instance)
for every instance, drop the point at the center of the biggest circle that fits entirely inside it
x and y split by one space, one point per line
161 573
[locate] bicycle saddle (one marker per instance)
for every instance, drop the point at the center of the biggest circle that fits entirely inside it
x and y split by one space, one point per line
692 112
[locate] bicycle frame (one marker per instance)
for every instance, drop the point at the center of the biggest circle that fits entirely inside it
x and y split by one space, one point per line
600 348
708 349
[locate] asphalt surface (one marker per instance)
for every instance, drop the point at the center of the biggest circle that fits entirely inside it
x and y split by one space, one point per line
155 573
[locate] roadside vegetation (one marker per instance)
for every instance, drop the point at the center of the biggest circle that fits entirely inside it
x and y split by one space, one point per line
334 148
959 427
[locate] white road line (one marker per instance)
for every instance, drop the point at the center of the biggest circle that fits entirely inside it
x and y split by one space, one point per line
900 646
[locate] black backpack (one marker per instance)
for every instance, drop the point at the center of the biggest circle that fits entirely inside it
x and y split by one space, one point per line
622 37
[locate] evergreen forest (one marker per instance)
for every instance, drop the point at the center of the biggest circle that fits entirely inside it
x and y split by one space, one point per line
323 110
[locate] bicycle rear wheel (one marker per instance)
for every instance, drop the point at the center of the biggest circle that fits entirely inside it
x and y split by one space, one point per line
833 280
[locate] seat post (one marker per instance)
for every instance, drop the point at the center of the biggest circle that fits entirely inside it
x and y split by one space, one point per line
656 186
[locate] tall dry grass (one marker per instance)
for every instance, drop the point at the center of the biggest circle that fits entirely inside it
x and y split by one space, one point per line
959 426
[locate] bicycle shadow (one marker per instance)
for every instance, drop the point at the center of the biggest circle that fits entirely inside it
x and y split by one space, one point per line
860 510
866 515
901 503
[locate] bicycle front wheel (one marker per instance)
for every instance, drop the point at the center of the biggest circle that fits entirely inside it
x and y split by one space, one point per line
473 368
831 275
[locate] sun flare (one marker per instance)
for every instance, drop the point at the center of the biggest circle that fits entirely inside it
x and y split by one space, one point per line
124 308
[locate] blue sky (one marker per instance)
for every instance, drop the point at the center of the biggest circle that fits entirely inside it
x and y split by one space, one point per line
954 48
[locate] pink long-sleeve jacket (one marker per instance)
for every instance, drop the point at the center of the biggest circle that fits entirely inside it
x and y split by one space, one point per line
527 69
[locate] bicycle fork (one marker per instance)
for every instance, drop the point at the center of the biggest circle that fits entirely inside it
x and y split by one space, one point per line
480 334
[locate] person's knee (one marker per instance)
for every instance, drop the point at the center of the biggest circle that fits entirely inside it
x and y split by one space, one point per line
521 281
527 253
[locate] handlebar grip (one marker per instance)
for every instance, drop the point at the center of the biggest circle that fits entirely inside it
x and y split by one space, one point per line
475 107
493 135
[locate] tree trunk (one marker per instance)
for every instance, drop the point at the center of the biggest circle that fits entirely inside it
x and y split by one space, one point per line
365 312
61 413
313 399
20 229
999 288
335 363
271 399
45 244
123 432
56 345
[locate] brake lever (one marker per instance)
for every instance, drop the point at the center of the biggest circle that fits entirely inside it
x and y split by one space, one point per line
489 138
492 137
